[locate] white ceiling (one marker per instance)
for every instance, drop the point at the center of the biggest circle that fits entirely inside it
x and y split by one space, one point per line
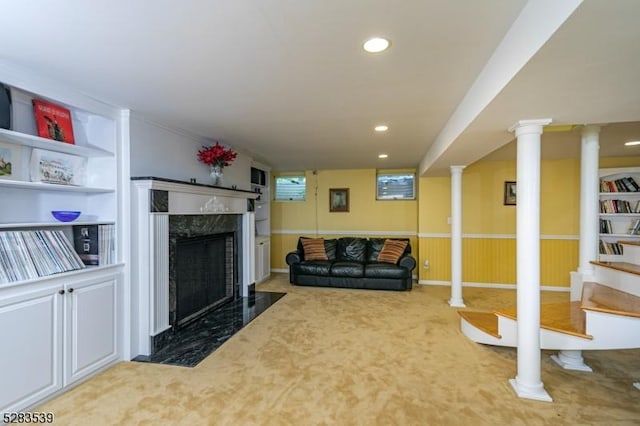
288 82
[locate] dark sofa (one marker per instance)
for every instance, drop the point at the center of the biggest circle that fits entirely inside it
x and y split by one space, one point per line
352 262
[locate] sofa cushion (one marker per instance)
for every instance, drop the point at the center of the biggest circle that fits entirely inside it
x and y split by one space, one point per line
347 269
392 251
330 247
374 245
352 249
385 270
316 267
314 249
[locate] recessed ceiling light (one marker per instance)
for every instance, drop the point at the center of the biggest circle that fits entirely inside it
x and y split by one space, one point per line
382 155
376 45
632 143
381 128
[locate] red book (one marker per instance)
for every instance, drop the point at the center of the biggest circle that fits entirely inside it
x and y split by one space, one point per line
53 121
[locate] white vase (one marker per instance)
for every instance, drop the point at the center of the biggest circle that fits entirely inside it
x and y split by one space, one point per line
216 175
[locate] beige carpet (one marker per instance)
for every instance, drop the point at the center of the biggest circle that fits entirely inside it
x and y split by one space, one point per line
355 357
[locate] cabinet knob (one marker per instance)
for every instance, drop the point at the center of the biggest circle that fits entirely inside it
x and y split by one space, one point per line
61 292
71 290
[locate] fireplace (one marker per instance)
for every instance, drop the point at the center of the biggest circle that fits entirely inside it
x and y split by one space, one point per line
167 213
205 275
202 264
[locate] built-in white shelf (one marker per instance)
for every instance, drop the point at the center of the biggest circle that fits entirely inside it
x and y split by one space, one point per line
619 215
62 275
32 225
619 194
51 145
43 186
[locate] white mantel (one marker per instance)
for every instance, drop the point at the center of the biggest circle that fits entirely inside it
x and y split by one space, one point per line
150 242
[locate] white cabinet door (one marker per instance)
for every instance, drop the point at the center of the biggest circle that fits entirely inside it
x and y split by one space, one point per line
266 259
91 326
31 339
259 262
263 260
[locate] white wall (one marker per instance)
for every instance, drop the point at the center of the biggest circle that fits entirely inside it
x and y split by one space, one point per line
160 151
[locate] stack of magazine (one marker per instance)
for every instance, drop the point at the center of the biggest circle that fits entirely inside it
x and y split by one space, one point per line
25 255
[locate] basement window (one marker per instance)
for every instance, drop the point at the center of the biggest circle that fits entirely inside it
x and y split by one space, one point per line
395 186
290 188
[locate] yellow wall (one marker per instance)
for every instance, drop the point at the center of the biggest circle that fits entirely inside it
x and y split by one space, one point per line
366 216
489 227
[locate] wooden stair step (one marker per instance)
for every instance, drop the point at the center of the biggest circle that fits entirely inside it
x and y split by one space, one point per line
485 321
601 298
563 317
631 268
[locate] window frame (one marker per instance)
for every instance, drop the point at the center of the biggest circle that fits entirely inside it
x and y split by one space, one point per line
396 174
300 176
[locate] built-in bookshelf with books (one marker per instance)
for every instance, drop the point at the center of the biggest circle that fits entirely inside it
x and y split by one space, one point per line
619 210
71 166
63 299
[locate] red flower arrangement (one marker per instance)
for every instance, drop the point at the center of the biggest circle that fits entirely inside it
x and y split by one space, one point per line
216 155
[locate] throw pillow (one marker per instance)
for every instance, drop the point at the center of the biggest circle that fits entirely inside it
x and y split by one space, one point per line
314 249
392 250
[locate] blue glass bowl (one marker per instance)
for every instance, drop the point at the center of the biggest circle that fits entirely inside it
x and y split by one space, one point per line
65 216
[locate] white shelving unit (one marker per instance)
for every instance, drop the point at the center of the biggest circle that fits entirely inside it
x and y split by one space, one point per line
63 327
618 224
260 183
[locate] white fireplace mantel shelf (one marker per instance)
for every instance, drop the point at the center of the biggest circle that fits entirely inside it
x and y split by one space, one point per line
195 198
154 200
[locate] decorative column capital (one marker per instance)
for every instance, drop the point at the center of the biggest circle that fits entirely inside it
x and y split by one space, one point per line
591 129
456 169
523 127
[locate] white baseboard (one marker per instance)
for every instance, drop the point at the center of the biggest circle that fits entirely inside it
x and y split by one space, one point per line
492 285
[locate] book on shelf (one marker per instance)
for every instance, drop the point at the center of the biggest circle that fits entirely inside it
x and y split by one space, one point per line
26 255
5 107
625 184
95 244
619 206
53 121
605 226
610 248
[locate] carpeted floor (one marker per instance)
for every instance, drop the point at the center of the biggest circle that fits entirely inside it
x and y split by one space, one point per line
355 357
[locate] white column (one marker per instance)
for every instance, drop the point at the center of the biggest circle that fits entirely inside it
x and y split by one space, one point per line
589 225
527 383
589 205
456 237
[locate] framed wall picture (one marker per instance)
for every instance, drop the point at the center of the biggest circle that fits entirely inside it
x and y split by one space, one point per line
10 161
509 193
56 167
339 199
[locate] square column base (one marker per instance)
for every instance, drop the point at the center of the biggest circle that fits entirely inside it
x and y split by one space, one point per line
527 392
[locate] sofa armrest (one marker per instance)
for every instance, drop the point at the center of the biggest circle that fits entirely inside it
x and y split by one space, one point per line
408 262
293 257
